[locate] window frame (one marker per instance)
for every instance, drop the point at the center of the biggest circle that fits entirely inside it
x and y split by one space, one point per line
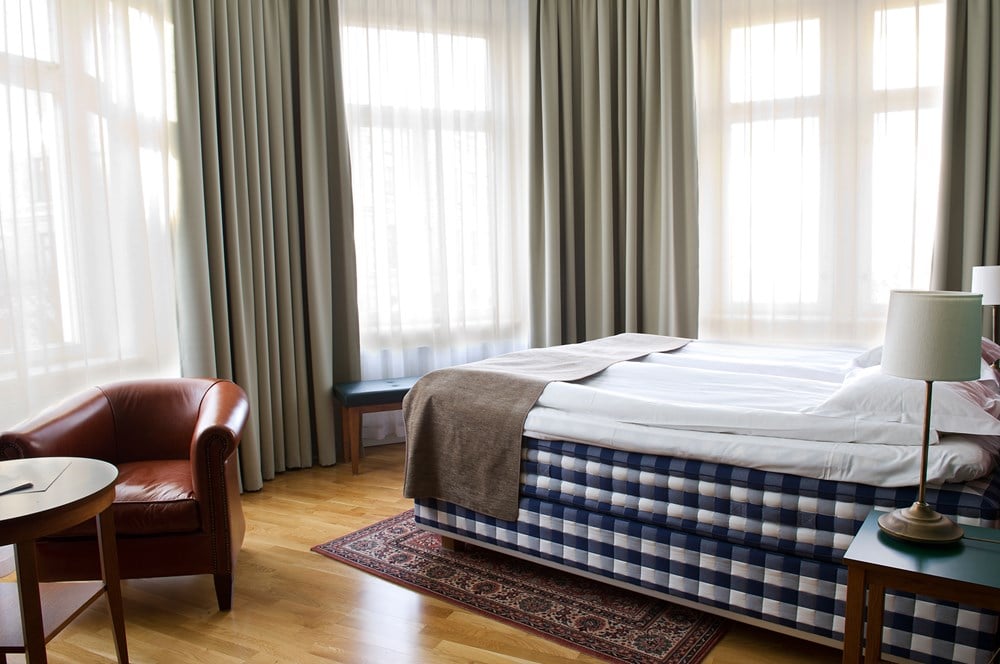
499 321
843 250
68 355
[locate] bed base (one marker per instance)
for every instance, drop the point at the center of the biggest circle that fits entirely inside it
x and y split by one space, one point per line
460 527
454 542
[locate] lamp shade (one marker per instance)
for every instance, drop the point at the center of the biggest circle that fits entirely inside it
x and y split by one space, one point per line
933 335
986 280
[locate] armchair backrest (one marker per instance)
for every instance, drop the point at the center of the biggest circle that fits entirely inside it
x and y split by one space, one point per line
154 419
127 421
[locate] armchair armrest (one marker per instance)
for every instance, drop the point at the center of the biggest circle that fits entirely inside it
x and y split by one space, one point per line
82 426
221 417
223 414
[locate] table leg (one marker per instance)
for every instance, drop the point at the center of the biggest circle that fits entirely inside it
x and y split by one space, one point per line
108 547
32 628
854 614
873 634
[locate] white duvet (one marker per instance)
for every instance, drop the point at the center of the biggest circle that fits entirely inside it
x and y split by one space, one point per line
755 406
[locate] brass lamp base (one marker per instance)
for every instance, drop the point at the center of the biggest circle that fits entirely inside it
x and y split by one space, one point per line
920 523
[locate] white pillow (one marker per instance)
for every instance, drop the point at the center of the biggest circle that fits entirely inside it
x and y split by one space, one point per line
870 358
971 407
873 357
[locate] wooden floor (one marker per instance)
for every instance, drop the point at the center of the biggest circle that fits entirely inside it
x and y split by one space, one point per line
295 606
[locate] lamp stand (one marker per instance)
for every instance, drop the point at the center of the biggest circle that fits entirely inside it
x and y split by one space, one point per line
920 522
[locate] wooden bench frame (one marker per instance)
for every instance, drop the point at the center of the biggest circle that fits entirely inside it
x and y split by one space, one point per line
351 429
350 416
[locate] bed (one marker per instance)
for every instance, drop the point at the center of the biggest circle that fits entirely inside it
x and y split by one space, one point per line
732 478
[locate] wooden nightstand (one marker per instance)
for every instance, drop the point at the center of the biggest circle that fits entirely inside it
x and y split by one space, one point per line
967 571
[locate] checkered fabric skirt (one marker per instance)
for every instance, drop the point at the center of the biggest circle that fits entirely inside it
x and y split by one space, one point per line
755 543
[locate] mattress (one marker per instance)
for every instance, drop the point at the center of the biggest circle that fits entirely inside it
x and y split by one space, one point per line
781 410
761 544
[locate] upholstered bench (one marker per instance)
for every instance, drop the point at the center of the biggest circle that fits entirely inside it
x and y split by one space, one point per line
366 396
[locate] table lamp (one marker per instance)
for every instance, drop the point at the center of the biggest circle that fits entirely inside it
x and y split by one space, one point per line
929 336
986 280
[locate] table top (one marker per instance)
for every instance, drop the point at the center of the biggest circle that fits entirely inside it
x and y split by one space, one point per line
970 560
76 489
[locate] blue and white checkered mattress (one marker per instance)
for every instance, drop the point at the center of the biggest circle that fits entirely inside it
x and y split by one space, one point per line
760 544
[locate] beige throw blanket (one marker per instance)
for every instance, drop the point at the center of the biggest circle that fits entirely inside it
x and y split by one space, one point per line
464 424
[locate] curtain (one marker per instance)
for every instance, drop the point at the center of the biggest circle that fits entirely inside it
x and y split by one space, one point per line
969 219
265 241
819 148
436 94
86 198
613 170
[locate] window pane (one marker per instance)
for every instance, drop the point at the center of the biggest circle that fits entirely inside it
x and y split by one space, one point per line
405 228
391 223
28 219
468 228
408 69
908 53
772 214
148 54
775 61
27 30
904 199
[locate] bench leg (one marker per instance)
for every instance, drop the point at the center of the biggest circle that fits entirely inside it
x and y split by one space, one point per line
354 436
345 432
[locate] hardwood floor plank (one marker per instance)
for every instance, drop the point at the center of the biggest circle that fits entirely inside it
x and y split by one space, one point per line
295 606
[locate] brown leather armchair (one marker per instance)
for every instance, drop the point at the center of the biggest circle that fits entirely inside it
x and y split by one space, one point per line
177 498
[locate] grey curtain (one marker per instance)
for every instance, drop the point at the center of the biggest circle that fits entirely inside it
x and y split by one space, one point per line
969 216
265 242
613 179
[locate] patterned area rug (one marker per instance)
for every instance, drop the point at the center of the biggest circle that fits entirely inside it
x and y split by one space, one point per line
614 624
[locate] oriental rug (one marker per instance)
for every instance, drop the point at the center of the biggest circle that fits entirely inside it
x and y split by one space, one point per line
611 623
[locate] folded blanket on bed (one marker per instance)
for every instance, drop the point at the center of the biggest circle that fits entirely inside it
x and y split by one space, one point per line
464 424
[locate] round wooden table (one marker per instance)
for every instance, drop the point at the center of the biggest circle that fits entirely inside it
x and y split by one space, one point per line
65 491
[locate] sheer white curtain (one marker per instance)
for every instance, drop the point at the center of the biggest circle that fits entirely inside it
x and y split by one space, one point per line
436 95
86 277
819 128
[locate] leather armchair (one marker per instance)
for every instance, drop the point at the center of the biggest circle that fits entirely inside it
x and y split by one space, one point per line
177 498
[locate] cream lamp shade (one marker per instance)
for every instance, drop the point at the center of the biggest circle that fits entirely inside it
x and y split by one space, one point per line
986 280
933 335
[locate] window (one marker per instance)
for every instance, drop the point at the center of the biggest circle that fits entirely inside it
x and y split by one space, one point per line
86 277
819 150
436 104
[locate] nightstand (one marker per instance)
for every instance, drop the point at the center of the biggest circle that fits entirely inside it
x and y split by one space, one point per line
967 571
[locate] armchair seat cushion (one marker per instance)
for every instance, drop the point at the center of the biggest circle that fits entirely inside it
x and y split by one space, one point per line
151 497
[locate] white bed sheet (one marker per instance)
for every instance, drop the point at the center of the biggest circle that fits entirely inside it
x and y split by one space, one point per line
742 405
